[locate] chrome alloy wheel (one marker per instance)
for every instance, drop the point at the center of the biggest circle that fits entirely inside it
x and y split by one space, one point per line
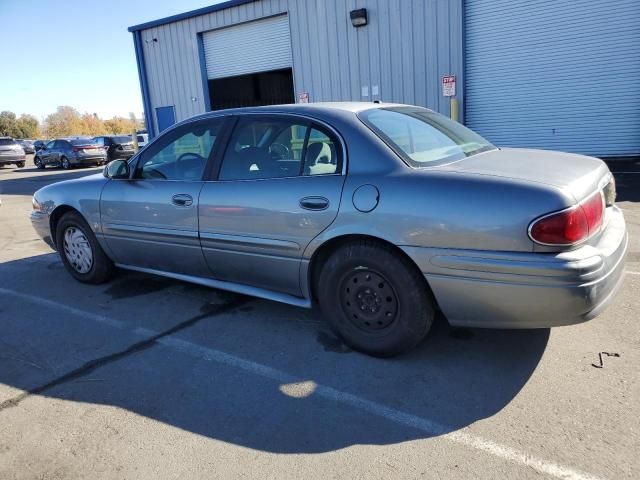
78 250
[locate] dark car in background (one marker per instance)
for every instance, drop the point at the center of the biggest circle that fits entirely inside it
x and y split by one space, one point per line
70 152
118 147
38 144
27 145
11 152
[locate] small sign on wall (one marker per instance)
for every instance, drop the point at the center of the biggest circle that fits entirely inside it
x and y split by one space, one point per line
449 86
303 97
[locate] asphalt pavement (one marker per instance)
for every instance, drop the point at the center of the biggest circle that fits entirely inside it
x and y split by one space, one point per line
146 377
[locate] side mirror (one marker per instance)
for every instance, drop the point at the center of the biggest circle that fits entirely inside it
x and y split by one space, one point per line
117 170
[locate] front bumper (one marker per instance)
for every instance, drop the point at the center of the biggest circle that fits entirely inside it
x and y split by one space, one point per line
40 222
527 290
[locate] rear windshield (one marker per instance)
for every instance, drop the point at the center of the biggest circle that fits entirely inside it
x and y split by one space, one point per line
83 141
422 137
7 141
140 138
121 139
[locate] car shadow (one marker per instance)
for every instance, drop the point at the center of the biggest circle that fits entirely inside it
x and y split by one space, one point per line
28 185
627 176
246 371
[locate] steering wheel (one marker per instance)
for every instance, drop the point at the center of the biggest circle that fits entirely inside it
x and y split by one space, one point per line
189 154
279 151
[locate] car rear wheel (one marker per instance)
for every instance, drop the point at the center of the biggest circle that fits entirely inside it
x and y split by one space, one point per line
65 163
80 251
20 164
375 299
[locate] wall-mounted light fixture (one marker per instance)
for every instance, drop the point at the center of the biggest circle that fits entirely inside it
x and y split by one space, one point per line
358 17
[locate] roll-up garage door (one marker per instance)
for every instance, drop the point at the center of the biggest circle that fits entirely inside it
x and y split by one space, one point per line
258 46
554 74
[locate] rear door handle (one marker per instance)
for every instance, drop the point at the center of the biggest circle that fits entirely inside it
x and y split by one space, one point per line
314 203
182 200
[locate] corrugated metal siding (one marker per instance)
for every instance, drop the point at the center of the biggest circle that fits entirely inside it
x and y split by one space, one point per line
555 75
405 49
261 45
173 63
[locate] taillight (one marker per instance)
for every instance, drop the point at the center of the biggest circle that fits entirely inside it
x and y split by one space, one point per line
570 226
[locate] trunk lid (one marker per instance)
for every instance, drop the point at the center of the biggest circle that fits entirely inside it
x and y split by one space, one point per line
577 174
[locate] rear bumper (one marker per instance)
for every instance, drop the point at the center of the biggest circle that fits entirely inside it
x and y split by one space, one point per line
122 154
88 160
527 290
19 157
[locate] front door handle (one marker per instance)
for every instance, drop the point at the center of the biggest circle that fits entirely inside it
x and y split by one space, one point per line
314 203
182 200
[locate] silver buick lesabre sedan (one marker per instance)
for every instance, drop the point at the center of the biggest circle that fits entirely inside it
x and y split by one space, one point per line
380 213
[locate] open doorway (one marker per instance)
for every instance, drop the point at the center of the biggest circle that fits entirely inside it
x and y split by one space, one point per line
253 89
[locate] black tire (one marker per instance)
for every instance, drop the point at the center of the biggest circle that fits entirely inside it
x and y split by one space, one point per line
38 163
64 161
375 299
20 164
102 268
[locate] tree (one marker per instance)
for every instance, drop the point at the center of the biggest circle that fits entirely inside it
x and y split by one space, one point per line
92 125
65 122
119 125
28 126
8 127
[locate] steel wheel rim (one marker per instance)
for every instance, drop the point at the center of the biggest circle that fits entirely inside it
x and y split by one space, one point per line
368 300
78 250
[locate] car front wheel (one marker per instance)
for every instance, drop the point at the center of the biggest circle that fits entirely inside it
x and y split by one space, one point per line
80 251
38 163
375 298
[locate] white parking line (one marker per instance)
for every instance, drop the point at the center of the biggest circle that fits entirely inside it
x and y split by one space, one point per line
425 425
632 273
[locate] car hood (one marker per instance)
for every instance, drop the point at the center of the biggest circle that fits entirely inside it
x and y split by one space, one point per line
577 174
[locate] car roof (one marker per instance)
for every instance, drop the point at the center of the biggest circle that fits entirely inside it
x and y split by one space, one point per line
353 107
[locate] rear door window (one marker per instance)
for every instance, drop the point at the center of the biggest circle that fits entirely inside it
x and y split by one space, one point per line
278 146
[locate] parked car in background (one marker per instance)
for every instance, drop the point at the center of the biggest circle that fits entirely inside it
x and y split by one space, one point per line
143 139
11 152
27 145
380 213
38 144
118 147
70 152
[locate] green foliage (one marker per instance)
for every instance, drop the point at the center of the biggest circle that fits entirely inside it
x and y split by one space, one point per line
26 126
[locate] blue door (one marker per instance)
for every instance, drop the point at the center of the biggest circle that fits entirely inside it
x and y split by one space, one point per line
166 117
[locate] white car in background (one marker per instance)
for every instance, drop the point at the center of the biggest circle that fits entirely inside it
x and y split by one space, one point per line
143 139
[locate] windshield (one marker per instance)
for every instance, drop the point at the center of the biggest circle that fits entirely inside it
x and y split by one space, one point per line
7 141
422 137
121 139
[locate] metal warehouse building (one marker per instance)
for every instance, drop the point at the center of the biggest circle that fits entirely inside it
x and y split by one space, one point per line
555 74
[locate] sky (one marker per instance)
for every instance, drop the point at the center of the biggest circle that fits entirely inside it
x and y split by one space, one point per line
76 53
